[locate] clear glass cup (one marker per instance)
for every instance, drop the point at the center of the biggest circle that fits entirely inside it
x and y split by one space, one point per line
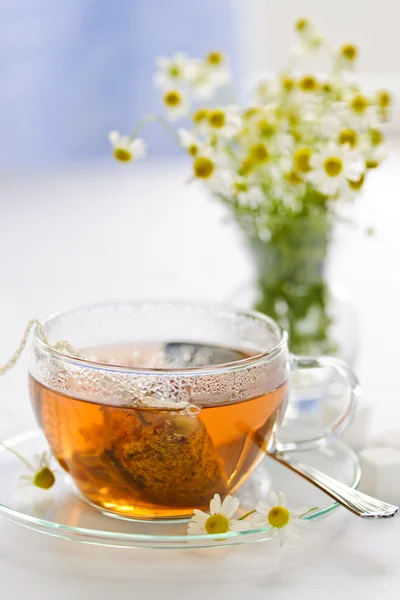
169 402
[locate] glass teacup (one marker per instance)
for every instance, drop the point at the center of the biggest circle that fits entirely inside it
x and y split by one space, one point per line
168 403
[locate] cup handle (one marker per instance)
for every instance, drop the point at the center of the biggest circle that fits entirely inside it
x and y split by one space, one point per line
334 429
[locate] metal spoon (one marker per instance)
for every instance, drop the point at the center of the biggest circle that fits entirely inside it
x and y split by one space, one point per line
357 502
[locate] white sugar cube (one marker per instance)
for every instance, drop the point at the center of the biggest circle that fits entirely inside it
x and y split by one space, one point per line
381 473
387 439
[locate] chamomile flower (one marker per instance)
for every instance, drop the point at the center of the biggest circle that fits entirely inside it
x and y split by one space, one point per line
360 111
354 189
346 57
333 167
211 73
311 39
177 103
205 167
285 523
270 90
218 67
125 148
373 148
219 519
384 101
190 142
224 122
173 72
348 136
39 472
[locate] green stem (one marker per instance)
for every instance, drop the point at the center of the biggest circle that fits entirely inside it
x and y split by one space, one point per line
247 515
151 118
308 511
18 455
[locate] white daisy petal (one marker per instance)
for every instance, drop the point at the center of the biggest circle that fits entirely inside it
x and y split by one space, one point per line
124 141
274 498
113 137
200 516
229 506
282 498
263 507
138 148
215 504
281 537
237 526
195 528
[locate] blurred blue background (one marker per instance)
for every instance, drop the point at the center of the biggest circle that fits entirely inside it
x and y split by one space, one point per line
73 70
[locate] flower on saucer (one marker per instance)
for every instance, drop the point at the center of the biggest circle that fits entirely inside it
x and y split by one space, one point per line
126 148
39 473
219 519
285 523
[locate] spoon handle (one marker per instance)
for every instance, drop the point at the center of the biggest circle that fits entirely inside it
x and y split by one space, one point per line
357 502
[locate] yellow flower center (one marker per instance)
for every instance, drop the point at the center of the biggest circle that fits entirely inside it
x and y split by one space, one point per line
349 52
301 24
266 128
301 160
173 98
174 71
359 104
215 58
278 516
44 478
384 99
348 136
217 524
216 118
259 153
200 115
250 112
203 167
333 166
122 154
247 166
288 83
240 186
308 83
376 137
356 185
193 149
371 164
327 87
293 178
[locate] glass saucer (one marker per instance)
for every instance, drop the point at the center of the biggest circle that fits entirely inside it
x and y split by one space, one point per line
60 513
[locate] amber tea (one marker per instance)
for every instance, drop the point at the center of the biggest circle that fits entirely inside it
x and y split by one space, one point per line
152 463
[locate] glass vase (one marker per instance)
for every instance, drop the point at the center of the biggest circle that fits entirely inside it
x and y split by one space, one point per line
295 268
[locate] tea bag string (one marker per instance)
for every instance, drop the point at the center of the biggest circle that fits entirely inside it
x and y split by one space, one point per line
61 345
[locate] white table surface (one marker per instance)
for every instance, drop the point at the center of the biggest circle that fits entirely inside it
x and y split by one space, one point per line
111 232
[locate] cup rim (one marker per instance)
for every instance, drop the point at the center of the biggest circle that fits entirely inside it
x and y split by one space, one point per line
254 360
